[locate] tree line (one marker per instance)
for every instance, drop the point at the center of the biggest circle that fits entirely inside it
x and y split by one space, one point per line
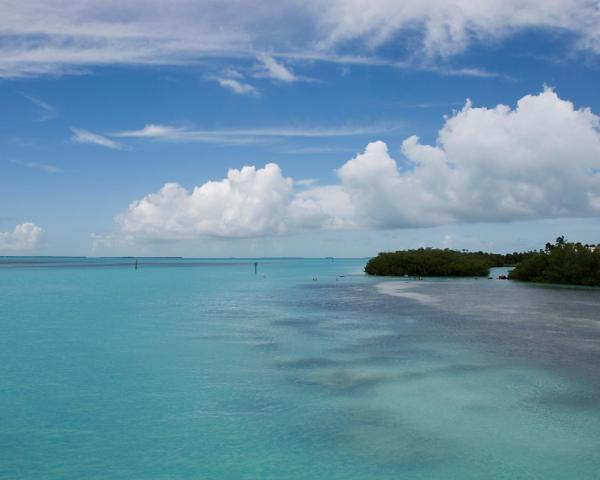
560 262
425 262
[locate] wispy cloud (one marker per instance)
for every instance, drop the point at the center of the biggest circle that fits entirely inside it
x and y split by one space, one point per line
186 134
46 111
85 136
238 87
425 65
151 131
44 167
65 36
271 68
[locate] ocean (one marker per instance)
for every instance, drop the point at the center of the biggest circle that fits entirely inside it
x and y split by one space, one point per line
308 369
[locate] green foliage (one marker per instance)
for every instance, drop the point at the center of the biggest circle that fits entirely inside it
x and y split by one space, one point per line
563 262
434 262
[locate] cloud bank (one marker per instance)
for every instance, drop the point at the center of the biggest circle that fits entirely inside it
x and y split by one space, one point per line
61 36
538 160
25 236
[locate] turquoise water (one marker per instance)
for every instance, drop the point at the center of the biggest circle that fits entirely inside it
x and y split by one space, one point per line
199 369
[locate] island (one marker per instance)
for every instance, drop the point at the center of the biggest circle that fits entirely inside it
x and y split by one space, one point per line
435 262
561 263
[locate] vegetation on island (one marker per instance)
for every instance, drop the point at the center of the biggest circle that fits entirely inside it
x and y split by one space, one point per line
561 263
425 262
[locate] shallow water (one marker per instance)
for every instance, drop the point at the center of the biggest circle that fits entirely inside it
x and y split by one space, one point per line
199 369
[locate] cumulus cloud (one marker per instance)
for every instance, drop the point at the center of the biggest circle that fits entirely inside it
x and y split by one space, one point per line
238 87
538 160
25 236
57 36
85 136
500 164
249 202
535 161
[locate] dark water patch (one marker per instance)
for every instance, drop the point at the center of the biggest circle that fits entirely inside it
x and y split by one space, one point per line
301 322
463 369
502 325
343 382
515 335
574 353
333 298
210 337
571 400
390 348
414 375
265 346
448 371
480 408
379 443
346 325
389 360
305 326
512 328
308 363
520 335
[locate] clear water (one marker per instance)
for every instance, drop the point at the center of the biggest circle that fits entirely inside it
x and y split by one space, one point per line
199 369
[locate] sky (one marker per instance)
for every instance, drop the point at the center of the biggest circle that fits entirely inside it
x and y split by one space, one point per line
313 128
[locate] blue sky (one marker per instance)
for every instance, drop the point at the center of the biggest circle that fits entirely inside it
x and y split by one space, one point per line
96 119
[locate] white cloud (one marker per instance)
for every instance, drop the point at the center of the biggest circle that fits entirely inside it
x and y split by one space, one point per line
25 236
445 27
422 64
249 202
328 207
85 136
58 36
151 131
271 68
307 182
238 87
244 135
500 164
538 160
